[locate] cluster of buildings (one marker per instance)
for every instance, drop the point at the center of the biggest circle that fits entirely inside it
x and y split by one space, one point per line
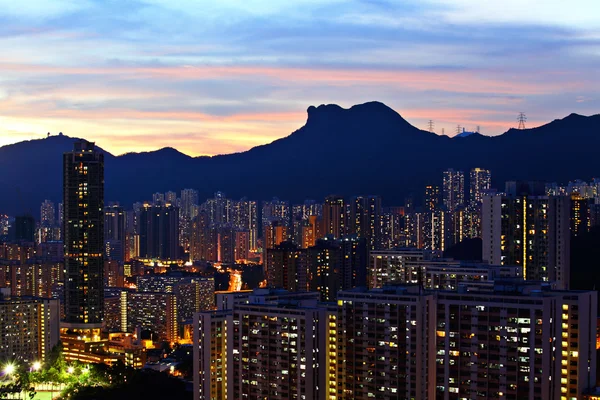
511 340
357 300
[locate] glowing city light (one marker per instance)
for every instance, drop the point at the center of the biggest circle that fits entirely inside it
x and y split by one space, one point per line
9 369
70 370
37 366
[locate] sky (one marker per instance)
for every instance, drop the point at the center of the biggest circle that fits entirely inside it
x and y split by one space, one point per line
215 77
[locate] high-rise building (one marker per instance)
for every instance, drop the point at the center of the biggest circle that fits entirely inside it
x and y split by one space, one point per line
204 239
454 189
354 254
390 266
83 199
311 231
189 203
274 233
277 347
276 210
60 215
580 215
114 231
47 217
159 231
24 228
507 339
529 231
242 245
158 198
520 341
211 354
386 342
365 212
153 311
480 181
171 198
432 197
286 267
226 244
219 209
29 329
245 217
334 217
327 267
193 294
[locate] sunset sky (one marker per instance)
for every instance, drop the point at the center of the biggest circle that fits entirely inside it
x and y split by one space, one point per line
214 77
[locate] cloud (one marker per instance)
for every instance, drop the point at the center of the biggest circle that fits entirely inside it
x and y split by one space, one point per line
229 75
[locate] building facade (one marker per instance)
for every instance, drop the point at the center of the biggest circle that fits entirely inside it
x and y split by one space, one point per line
83 199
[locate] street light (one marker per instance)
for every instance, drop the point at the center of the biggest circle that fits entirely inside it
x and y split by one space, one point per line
9 369
70 370
37 366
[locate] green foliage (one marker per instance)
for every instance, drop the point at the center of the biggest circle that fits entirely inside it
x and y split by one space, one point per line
140 384
17 383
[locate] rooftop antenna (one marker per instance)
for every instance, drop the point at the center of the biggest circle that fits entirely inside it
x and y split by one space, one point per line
521 119
430 124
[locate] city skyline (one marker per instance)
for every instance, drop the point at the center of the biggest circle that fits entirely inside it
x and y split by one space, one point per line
229 77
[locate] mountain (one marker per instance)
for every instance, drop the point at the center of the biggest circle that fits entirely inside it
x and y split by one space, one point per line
464 134
367 149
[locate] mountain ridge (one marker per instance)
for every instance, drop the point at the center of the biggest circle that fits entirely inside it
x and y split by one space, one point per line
368 148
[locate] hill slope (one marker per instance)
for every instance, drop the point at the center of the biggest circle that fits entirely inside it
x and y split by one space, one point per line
367 149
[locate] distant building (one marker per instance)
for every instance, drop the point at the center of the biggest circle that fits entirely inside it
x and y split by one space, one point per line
453 189
432 197
286 267
24 228
189 203
276 210
334 217
480 181
156 312
193 293
364 219
159 231
390 266
114 232
47 217
245 218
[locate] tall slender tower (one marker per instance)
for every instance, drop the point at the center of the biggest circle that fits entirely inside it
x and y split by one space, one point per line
83 199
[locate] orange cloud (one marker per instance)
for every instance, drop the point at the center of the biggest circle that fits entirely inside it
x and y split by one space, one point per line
458 81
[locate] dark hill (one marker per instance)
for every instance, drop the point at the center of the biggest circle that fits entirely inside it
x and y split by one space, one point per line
368 148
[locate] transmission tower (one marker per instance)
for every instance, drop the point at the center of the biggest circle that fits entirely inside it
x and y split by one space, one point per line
430 124
478 130
458 129
521 119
